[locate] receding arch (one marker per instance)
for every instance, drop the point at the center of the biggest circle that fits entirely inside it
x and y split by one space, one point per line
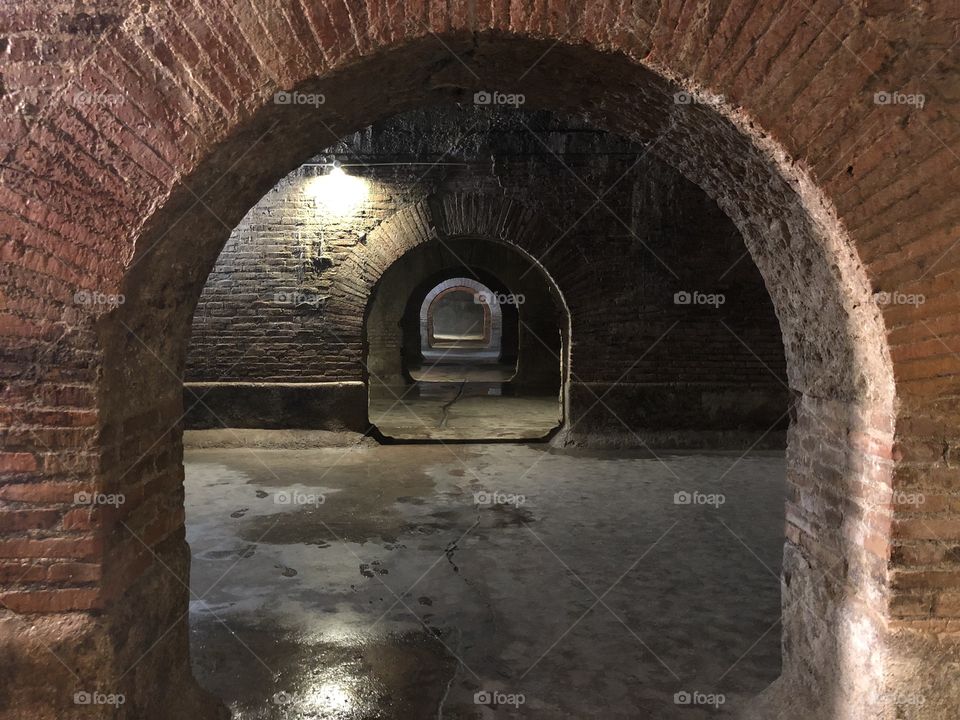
837 360
488 329
541 324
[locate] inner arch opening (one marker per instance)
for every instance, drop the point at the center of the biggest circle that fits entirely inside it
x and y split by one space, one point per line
486 300
502 382
461 320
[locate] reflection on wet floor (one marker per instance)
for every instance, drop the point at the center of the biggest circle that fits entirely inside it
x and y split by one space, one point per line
463 582
395 677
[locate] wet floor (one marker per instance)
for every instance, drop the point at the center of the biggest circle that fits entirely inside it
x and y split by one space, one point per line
484 581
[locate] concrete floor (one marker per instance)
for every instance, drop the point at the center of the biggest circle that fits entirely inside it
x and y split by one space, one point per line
472 410
460 372
391 585
462 401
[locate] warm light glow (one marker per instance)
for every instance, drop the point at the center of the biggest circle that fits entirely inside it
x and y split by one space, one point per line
338 193
331 697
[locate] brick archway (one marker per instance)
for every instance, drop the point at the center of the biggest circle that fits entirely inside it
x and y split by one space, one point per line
135 199
492 315
538 342
458 224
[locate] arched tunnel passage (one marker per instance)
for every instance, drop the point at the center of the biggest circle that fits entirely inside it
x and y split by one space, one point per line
610 365
450 390
709 372
822 238
460 320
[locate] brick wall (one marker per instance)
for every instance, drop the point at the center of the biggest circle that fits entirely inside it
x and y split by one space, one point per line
836 195
286 298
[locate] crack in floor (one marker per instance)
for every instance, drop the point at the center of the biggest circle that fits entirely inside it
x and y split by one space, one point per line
445 408
449 551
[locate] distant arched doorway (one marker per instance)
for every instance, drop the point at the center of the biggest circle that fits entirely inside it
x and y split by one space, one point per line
466 339
461 320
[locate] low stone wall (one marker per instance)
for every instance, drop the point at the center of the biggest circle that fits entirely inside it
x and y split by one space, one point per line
676 416
276 406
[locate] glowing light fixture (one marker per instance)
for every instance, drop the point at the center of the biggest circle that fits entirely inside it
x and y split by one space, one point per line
338 193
